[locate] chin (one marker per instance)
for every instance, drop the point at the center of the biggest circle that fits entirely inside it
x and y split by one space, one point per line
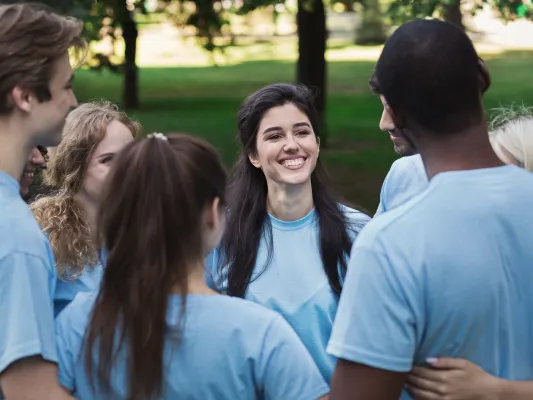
403 149
295 180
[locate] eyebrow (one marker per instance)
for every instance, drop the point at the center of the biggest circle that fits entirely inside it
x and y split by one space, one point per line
278 128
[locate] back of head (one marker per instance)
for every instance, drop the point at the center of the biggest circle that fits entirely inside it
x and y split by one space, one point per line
32 38
151 226
511 135
429 72
59 215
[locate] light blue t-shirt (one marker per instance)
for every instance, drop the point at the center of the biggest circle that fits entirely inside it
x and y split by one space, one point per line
230 349
67 289
406 178
447 274
295 284
27 281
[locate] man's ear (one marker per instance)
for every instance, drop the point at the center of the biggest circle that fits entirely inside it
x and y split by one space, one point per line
484 76
21 98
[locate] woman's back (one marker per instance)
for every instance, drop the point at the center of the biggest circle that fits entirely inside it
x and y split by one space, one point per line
229 349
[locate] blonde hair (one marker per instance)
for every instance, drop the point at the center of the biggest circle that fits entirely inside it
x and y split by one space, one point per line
511 129
59 215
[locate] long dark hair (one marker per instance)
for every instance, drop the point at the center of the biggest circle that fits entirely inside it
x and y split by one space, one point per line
247 199
150 225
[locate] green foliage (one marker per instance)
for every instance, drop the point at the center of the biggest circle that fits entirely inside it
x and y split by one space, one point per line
205 16
372 29
403 10
100 22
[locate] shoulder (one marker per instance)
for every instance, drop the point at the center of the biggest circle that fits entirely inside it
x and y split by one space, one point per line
406 164
406 169
353 215
355 218
75 317
406 178
21 233
393 225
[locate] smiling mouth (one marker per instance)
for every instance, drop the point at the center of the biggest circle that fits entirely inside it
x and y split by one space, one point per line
28 174
395 137
293 163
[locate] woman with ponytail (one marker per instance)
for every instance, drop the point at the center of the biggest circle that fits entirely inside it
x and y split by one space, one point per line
93 134
156 331
288 237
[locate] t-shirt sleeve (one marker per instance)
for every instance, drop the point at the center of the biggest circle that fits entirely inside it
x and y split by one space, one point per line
26 309
380 208
210 265
384 193
65 351
379 314
286 369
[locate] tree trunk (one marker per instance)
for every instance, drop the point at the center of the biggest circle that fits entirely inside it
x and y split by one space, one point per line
311 67
453 14
130 90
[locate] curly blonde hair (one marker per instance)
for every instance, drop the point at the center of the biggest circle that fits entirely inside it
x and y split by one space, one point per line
511 129
59 215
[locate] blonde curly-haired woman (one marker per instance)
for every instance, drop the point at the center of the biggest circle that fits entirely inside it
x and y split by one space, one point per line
93 134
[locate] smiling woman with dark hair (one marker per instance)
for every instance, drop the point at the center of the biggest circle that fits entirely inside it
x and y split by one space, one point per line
288 237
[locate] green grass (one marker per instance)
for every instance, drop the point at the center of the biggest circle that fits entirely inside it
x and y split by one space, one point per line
204 101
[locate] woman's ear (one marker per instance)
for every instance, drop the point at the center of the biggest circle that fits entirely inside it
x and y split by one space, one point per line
254 160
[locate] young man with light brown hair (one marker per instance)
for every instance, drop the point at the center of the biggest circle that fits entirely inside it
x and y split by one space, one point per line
35 98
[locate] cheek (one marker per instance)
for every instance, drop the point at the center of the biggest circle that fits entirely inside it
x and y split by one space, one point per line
310 146
94 179
267 153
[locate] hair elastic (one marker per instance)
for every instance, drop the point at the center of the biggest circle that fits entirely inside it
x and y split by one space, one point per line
157 135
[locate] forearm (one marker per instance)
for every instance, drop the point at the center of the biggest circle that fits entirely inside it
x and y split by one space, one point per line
514 390
32 378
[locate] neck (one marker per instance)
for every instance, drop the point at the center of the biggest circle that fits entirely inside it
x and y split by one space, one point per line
15 148
290 202
196 281
89 210
461 151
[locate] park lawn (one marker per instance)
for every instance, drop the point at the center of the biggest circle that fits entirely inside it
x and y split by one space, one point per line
204 101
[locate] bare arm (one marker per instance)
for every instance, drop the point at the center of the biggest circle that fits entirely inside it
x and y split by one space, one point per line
458 379
32 378
511 390
353 381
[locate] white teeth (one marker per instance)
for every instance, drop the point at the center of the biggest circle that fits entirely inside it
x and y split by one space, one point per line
29 174
294 163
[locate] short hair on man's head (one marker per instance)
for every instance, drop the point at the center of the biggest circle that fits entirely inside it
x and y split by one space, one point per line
429 70
32 38
374 85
